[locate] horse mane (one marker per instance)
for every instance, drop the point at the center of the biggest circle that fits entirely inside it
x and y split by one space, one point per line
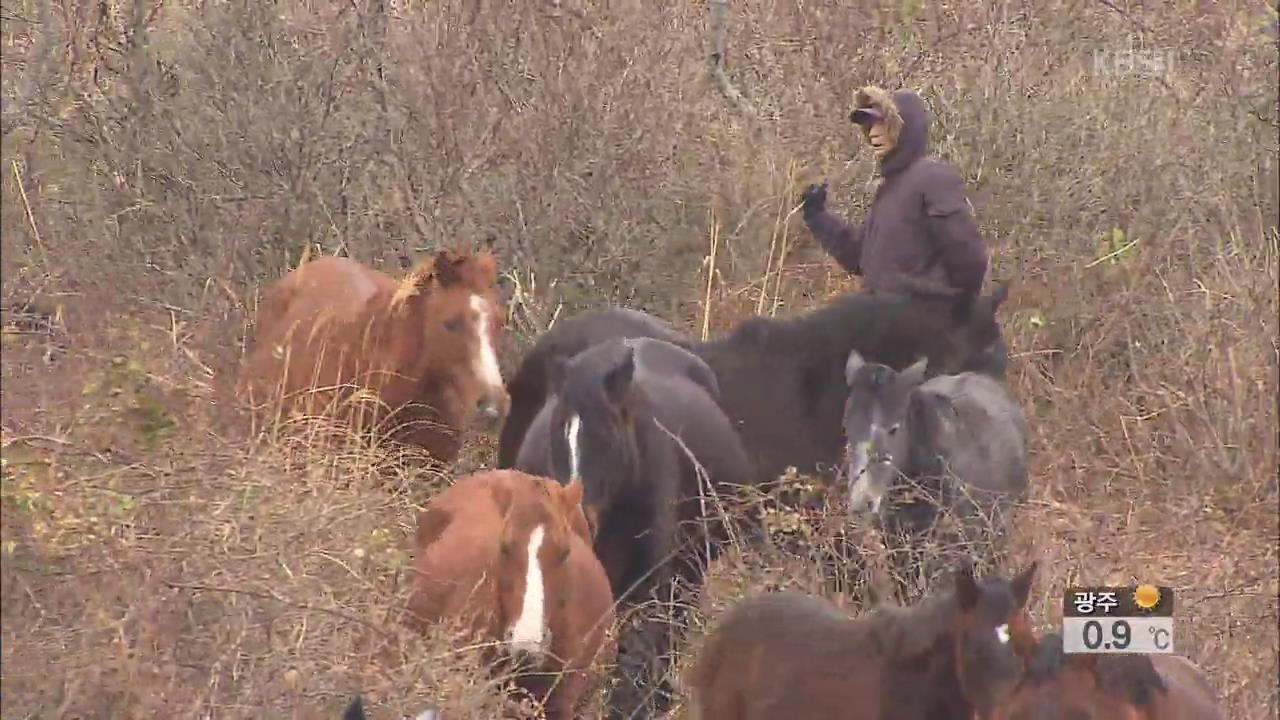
1048 659
760 333
412 282
901 633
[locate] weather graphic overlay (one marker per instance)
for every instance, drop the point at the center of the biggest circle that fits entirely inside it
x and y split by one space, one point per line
1133 619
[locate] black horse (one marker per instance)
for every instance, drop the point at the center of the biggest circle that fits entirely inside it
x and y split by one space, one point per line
566 339
781 380
637 421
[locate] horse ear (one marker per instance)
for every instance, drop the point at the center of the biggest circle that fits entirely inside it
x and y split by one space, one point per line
967 591
852 365
448 266
617 382
1021 584
431 525
572 493
914 375
571 497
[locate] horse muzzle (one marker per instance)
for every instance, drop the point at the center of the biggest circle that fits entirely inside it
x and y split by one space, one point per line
526 656
491 409
862 500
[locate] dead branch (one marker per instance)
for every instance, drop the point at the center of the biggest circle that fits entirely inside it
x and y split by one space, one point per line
719 29
34 70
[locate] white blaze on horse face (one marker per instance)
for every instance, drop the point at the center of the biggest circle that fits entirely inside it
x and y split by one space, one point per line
863 496
529 629
486 360
572 432
1002 634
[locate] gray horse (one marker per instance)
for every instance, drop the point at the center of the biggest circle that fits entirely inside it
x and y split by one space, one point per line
917 447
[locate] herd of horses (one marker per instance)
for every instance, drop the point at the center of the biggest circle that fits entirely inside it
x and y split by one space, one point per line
622 447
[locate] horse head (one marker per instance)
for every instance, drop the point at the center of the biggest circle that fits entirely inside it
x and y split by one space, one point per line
446 318
540 520
592 426
991 634
877 427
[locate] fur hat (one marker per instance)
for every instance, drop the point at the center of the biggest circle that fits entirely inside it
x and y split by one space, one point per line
872 104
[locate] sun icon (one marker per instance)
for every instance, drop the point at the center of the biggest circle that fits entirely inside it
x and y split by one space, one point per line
1146 597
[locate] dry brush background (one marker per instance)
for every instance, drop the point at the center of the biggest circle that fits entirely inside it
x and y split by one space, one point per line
162 159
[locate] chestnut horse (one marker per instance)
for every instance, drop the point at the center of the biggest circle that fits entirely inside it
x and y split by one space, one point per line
508 556
781 380
1110 687
423 346
789 655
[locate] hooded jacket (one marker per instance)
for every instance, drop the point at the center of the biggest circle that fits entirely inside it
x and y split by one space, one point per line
918 235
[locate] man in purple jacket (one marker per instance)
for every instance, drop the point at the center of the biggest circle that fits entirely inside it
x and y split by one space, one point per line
918 237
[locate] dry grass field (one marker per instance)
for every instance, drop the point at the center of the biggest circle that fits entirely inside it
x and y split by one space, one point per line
160 160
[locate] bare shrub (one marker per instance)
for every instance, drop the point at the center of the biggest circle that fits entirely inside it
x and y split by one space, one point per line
161 160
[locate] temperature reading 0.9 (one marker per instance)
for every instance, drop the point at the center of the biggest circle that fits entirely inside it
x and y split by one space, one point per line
1117 635
1118 620
1120 630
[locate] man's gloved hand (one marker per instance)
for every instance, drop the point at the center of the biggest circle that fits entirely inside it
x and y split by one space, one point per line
813 200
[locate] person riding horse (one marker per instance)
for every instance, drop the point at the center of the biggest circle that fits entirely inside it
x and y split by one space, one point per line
918 236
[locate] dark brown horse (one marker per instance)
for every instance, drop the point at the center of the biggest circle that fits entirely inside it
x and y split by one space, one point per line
1109 687
782 381
794 656
508 557
631 419
566 339
422 347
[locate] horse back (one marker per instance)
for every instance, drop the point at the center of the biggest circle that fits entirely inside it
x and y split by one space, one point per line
773 655
310 307
1190 696
661 358
339 285
689 413
450 570
992 452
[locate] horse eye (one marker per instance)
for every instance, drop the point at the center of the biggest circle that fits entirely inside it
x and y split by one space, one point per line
893 429
453 324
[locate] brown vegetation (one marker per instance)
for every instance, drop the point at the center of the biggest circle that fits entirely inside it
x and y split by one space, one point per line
162 160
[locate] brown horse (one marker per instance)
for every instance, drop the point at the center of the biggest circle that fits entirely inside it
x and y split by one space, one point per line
953 655
782 381
423 346
1109 687
508 556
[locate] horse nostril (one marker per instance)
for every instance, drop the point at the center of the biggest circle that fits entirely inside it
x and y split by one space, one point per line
488 409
